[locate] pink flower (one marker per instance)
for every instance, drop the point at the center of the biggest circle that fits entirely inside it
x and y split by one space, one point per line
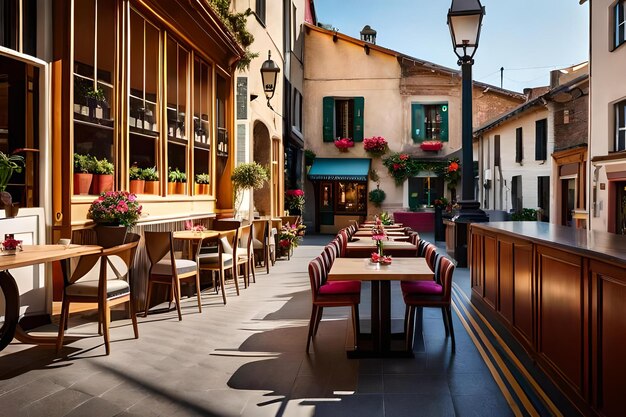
404 157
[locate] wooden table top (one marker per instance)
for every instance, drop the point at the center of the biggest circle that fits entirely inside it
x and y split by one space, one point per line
369 243
191 235
37 254
362 232
386 226
361 269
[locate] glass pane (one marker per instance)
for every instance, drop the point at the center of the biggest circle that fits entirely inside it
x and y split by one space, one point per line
142 151
172 85
197 109
84 37
207 99
106 40
29 30
183 58
201 161
152 62
176 157
136 57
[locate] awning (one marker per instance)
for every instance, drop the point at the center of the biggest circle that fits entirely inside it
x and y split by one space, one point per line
346 169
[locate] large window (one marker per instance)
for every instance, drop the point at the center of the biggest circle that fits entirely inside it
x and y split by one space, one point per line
541 140
351 197
619 23
620 126
177 142
202 98
429 122
143 117
343 118
519 146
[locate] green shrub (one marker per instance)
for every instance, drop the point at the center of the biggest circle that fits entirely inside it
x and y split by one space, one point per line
526 214
377 196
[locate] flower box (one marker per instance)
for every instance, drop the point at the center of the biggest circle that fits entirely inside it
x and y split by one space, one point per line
431 145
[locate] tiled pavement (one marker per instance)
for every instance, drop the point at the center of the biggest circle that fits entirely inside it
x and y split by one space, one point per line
247 359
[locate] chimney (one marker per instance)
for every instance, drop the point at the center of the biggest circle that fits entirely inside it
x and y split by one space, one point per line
368 35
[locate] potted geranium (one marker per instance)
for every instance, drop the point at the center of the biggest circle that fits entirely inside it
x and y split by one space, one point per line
137 183
115 208
344 144
375 146
202 183
295 201
103 176
151 177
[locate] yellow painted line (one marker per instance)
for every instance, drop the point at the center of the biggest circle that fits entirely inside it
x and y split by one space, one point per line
494 372
505 370
513 357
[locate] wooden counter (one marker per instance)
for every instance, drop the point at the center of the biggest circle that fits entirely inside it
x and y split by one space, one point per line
561 292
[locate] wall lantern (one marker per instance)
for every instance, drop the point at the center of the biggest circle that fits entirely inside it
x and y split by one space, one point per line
269 75
465 19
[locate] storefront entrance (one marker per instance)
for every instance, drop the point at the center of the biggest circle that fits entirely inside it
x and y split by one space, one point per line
620 212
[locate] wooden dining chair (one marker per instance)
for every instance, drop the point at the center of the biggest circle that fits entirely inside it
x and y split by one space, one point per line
245 254
221 261
436 293
166 269
331 294
343 242
261 243
107 289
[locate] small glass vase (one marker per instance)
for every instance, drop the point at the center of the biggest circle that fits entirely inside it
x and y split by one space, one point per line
379 246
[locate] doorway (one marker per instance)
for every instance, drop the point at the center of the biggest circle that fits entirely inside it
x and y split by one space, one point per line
262 155
423 191
620 218
568 200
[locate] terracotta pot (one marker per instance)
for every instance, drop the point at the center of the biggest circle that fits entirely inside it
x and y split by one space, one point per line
180 188
137 186
151 187
171 188
101 183
82 183
202 188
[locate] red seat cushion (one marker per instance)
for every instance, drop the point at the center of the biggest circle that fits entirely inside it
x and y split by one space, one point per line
340 287
421 288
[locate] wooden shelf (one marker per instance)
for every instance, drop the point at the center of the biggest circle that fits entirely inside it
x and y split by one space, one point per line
91 122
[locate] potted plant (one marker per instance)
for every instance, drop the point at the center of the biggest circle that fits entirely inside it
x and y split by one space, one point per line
137 182
344 144
309 157
176 181
247 176
377 196
95 101
115 208
83 173
375 146
103 178
180 184
202 183
8 165
294 200
151 177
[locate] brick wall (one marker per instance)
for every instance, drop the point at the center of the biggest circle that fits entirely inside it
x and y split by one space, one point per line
571 123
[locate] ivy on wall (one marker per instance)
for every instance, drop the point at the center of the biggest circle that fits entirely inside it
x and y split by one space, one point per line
236 23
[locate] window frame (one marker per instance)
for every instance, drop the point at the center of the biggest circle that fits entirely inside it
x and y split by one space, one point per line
424 108
619 108
519 145
329 118
618 9
541 140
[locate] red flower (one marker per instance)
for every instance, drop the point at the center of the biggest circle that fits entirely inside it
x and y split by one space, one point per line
453 167
404 157
11 244
344 143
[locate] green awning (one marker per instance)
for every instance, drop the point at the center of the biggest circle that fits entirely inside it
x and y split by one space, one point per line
346 169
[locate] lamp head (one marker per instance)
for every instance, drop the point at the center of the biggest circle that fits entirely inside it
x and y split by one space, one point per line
465 19
269 76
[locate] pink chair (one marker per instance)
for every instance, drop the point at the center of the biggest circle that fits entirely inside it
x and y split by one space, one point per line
436 293
331 294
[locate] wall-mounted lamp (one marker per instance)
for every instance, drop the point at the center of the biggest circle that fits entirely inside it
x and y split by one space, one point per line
269 75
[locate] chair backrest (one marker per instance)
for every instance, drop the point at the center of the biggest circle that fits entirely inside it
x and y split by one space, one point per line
337 245
430 255
159 244
221 225
316 269
414 238
245 237
343 242
260 230
446 270
122 253
329 254
228 243
421 248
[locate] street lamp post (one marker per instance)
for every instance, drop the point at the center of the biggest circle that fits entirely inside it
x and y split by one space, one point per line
465 20
269 75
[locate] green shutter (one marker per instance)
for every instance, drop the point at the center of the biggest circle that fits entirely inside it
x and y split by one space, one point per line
328 108
359 104
444 122
418 126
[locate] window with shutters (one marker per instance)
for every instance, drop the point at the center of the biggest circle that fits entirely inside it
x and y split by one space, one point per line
429 122
619 23
519 149
343 118
541 140
620 126
260 10
496 150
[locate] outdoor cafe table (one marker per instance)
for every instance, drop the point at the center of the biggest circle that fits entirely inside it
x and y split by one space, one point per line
364 247
193 238
372 223
31 255
379 342
368 233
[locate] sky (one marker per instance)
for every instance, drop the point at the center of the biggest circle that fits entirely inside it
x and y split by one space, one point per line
526 37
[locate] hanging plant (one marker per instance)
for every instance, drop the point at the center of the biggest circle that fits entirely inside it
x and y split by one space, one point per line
377 196
400 167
